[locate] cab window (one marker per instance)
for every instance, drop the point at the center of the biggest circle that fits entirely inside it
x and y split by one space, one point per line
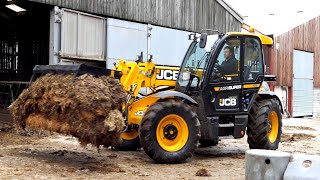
253 64
227 65
195 62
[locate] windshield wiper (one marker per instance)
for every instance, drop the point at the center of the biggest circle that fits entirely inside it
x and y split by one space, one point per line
206 54
200 62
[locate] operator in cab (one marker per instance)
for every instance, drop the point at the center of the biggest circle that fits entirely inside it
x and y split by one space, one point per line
230 64
228 67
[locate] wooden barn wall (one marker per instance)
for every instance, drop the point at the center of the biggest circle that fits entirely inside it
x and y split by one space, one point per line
305 37
283 63
316 69
190 15
268 54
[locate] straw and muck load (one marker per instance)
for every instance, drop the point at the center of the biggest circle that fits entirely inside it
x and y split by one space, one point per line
86 107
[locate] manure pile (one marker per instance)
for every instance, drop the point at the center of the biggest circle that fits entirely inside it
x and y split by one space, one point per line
86 107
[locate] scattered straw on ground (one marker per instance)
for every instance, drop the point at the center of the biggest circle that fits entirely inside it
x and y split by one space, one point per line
295 137
203 172
86 107
299 128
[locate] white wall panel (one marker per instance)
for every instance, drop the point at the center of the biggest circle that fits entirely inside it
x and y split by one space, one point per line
302 101
168 46
92 36
125 40
303 64
83 36
69 35
316 102
302 87
282 93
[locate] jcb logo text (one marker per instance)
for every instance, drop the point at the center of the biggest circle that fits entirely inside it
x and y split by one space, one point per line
228 102
167 75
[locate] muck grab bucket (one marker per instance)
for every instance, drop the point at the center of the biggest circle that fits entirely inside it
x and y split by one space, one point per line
77 100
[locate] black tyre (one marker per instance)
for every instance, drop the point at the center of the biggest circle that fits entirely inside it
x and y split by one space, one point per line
264 125
208 143
169 131
130 142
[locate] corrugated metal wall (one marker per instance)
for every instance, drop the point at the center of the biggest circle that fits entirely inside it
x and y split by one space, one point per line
316 102
305 37
302 85
190 15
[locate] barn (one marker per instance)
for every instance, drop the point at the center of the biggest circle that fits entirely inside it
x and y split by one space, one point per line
297 66
99 32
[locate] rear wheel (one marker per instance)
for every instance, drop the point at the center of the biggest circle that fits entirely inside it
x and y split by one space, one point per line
264 125
130 141
169 131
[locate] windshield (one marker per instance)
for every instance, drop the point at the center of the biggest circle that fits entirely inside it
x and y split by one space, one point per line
196 60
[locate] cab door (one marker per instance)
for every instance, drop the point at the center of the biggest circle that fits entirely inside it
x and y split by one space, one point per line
235 75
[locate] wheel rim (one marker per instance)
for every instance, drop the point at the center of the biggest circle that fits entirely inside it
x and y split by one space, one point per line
172 133
273 126
129 135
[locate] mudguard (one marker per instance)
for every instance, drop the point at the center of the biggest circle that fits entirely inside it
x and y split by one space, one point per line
170 93
270 95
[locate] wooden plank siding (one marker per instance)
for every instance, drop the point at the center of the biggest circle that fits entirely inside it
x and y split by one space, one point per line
305 37
190 15
283 63
316 69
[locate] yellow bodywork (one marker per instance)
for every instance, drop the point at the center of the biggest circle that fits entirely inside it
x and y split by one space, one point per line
129 135
137 108
265 40
136 76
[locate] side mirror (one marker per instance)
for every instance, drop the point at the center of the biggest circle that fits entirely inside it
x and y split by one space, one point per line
203 40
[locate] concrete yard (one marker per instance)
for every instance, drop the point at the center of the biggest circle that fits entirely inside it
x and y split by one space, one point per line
52 156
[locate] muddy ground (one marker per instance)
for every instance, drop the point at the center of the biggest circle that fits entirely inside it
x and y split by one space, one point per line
52 156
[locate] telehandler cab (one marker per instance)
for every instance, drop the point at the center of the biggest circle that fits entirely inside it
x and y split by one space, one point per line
196 103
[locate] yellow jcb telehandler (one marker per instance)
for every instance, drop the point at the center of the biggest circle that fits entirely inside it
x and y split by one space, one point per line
218 91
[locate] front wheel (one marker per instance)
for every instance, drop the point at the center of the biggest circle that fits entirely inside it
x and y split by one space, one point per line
264 125
129 141
169 131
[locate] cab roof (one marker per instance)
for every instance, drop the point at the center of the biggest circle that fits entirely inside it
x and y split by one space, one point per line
265 40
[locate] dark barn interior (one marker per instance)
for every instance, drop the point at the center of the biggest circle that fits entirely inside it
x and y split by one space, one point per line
24 42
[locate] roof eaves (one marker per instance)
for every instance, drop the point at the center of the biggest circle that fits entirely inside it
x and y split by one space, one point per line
232 11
